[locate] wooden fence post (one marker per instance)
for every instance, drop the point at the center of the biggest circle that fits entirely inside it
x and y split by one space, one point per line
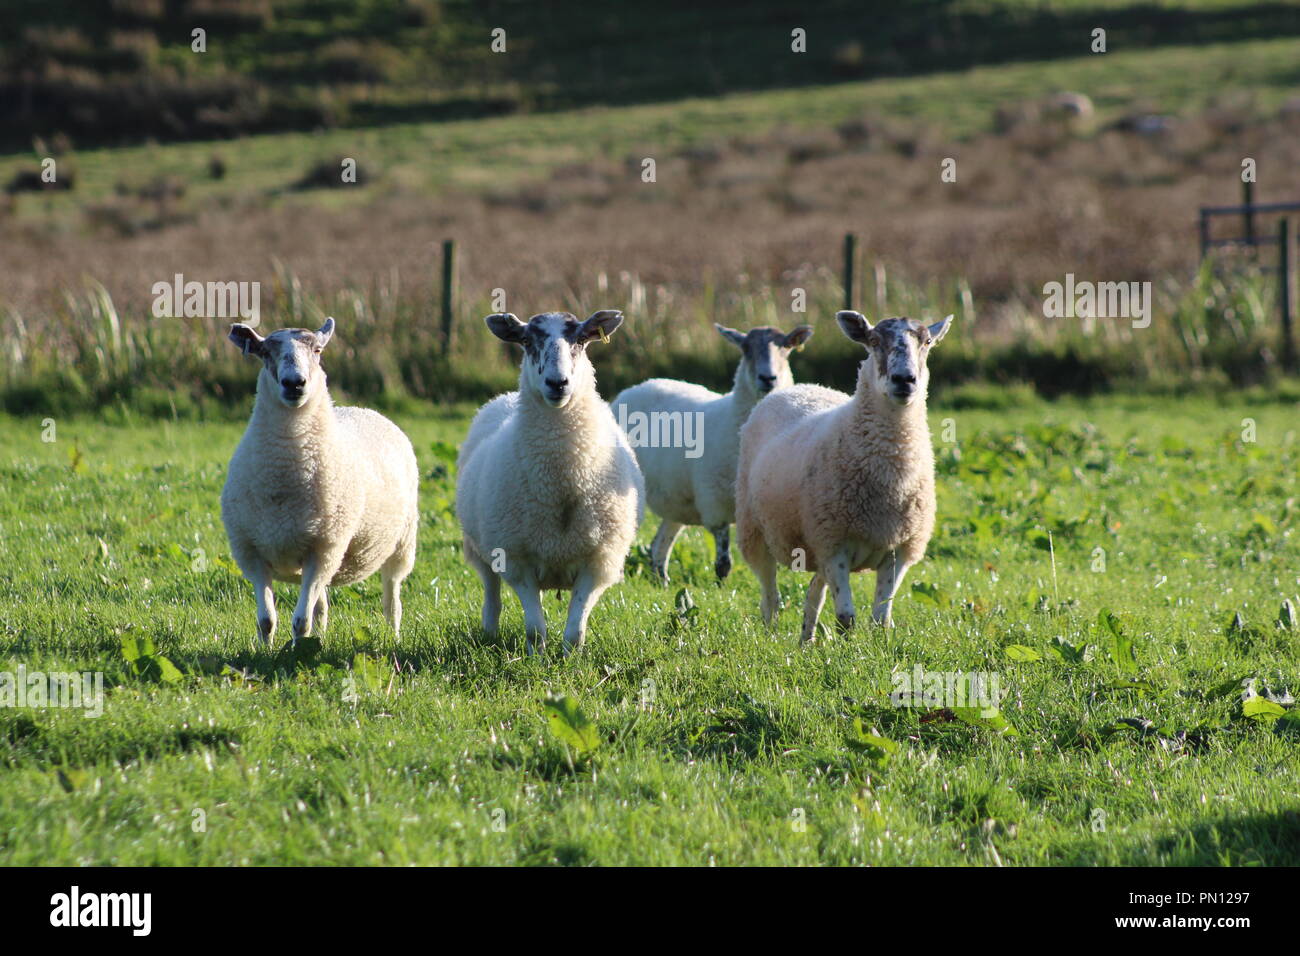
850 267
1284 294
1248 215
448 293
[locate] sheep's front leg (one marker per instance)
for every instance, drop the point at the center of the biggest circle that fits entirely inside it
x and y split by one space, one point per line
534 620
812 607
317 572
889 575
837 576
260 576
662 546
585 595
722 550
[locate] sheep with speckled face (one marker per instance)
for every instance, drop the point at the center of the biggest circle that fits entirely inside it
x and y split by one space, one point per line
314 493
834 483
548 492
701 490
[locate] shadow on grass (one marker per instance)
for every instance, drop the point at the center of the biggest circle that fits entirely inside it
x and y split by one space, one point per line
27 741
1257 839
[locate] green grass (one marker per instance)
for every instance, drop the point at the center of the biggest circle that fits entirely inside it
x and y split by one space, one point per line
112 75
747 731
472 155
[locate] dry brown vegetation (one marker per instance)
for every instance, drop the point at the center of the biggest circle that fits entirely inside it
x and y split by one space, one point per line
1027 207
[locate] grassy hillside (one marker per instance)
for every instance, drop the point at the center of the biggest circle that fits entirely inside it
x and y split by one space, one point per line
472 154
124 70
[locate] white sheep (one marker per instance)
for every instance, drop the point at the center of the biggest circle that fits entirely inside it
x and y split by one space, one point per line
1077 106
833 483
314 493
687 439
548 492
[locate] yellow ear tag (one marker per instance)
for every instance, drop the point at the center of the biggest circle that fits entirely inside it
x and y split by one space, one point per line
603 337
799 347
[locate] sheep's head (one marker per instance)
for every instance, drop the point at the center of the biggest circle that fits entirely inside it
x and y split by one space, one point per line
555 365
897 352
290 359
765 355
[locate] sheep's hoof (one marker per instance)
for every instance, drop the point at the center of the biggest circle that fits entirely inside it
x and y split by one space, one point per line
265 628
722 569
845 621
661 574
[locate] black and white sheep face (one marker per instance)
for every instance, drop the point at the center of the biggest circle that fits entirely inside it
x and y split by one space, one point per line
765 351
555 365
290 359
898 349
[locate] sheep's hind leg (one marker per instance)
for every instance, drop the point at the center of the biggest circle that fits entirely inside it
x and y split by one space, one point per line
323 610
812 607
585 595
889 575
393 572
393 601
662 546
837 576
534 618
491 593
765 570
722 550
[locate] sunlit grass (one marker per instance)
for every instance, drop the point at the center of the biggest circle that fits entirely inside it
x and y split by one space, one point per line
721 742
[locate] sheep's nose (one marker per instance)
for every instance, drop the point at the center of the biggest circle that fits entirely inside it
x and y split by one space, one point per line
903 379
767 382
293 380
557 384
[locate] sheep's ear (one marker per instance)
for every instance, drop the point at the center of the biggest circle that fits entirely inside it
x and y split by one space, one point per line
506 326
940 329
601 324
249 342
731 335
798 337
324 333
855 326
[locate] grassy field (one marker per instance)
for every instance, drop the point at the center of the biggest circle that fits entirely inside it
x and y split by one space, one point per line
717 742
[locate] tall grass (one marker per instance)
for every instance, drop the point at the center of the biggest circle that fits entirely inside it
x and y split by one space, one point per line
1214 329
